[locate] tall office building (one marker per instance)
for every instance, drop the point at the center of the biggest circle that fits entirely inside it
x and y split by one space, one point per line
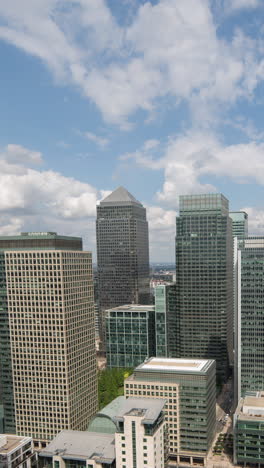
122 251
240 224
204 271
50 307
165 319
249 317
188 386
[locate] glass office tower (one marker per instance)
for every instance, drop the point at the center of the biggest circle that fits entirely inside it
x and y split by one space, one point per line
240 224
165 318
122 252
249 330
130 335
204 271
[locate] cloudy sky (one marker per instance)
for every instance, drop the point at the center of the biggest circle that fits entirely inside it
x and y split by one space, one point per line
164 97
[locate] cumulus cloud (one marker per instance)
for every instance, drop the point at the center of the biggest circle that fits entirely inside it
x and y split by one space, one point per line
29 196
189 160
165 50
98 140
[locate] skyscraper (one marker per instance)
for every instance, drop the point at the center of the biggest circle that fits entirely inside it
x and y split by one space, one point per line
165 319
240 223
50 306
204 271
249 317
122 251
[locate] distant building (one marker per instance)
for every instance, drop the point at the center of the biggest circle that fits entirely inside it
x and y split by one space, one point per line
79 449
141 434
122 252
130 335
249 317
240 223
48 326
16 451
204 272
165 320
248 424
188 386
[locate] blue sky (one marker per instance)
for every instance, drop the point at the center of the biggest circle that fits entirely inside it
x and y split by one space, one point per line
164 97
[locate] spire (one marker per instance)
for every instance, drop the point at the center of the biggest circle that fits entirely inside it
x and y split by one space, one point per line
120 195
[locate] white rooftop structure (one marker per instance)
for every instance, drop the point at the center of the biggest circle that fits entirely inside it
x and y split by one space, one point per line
175 365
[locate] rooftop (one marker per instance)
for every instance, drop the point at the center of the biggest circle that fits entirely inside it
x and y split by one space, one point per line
120 196
103 420
251 407
82 445
133 308
147 408
175 365
8 443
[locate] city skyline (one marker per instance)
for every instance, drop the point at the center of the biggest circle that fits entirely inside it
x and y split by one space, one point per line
135 93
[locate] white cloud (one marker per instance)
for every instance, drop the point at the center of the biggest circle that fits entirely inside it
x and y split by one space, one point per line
23 188
165 51
189 160
255 221
233 5
98 140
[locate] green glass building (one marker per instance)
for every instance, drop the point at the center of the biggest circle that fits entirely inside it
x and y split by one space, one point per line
165 319
249 316
204 272
248 425
130 335
240 224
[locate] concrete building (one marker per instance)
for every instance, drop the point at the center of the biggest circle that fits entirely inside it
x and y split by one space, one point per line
188 386
165 320
249 316
80 450
130 335
204 271
240 224
16 452
49 291
122 252
140 439
248 430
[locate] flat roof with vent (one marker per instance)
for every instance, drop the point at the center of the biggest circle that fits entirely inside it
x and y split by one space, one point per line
175 365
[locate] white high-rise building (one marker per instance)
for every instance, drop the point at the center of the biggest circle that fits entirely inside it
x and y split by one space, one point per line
52 337
140 439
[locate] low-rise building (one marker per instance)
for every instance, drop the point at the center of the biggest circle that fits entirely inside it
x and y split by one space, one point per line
188 385
130 335
249 430
141 434
16 451
80 450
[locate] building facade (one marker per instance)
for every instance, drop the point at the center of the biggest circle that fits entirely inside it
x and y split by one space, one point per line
130 335
188 386
17 452
240 224
249 316
204 271
79 449
140 439
248 422
50 308
122 251
165 320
